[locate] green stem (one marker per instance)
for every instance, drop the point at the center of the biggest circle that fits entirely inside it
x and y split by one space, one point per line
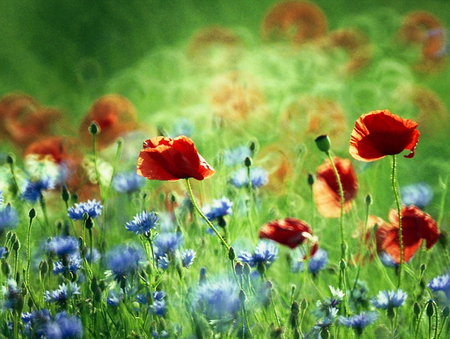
204 217
27 278
116 160
97 173
399 211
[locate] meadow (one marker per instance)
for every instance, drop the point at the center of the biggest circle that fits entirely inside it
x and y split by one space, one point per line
236 179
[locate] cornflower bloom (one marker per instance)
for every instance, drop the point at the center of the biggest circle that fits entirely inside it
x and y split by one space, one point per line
325 308
33 190
62 294
113 299
218 209
143 223
317 262
128 182
3 252
123 261
389 299
92 207
11 294
232 157
64 327
187 257
359 321
258 176
265 254
73 261
167 243
220 299
8 218
441 283
62 246
419 194
323 324
37 320
159 306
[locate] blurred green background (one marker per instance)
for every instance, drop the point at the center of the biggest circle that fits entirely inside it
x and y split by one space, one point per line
61 50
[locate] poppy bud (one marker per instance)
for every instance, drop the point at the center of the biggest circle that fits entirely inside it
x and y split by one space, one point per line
324 334
246 269
102 284
97 295
238 268
293 319
342 264
202 279
10 159
248 162
323 143
89 223
6 268
430 308
65 194
369 199
32 213
416 309
311 179
304 304
253 145
94 128
94 284
16 245
231 254
43 267
242 296
446 312
30 302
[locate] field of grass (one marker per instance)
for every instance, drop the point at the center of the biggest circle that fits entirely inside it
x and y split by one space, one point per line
253 107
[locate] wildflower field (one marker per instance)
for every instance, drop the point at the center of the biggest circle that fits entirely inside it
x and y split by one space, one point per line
224 170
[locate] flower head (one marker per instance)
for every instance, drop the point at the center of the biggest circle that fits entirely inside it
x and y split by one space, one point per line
318 261
123 260
64 327
11 294
220 298
62 245
93 208
232 157
3 252
167 243
62 294
258 176
172 159
359 321
73 261
8 218
441 283
290 232
389 299
33 190
381 133
419 194
128 182
265 253
143 223
218 208
326 188
187 257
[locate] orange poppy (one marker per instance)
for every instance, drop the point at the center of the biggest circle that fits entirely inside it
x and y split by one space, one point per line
289 232
114 114
416 226
165 159
380 133
326 189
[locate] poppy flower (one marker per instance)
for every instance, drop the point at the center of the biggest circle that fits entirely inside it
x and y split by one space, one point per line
380 133
326 188
289 232
165 159
416 226
114 114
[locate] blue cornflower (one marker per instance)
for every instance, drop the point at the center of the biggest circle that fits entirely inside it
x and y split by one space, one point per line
62 245
325 308
441 283
3 252
159 306
182 126
11 294
323 324
93 208
163 262
95 255
265 253
37 320
1 197
128 182
8 218
167 243
187 257
419 194
219 208
387 260
359 321
389 299
318 261
258 176
220 299
74 262
123 260
143 223
62 294
64 327
113 298
33 190
232 157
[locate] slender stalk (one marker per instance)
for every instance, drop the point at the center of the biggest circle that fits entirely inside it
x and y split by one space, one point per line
32 214
399 211
204 217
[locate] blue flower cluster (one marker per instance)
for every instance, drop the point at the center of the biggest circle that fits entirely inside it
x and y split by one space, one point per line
219 208
187 257
143 223
258 176
316 263
220 299
123 260
64 326
167 245
8 218
92 208
389 299
74 262
62 245
265 253
11 294
359 321
158 306
128 182
33 190
441 283
62 294
236 156
419 194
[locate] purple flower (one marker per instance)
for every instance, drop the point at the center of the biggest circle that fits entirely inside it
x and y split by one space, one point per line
265 253
92 208
441 283
389 299
258 176
359 321
128 182
33 190
62 294
62 245
73 261
167 243
64 327
143 223
187 257
219 208
123 260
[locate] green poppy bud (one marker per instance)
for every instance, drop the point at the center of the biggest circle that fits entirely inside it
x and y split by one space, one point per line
323 143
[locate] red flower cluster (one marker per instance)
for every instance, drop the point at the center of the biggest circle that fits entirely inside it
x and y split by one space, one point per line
166 159
326 189
381 133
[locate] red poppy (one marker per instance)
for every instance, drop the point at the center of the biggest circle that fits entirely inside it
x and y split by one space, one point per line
380 133
416 226
166 159
289 232
114 114
326 189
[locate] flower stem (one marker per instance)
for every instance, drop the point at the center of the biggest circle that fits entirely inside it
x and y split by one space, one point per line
191 195
399 211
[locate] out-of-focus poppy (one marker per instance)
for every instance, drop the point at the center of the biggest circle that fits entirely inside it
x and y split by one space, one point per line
416 226
165 159
114 114
298 21
380 133
326 188
24 120
290 232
